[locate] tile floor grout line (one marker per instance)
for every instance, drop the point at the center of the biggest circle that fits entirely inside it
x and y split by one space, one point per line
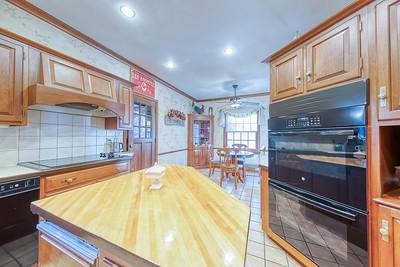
12 256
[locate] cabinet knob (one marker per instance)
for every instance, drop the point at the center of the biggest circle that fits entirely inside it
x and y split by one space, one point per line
308 75
298 78
303 178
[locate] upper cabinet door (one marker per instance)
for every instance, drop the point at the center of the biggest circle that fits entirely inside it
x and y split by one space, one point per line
335 56
286 75
101 86
388 59
126 97
62 74
11 81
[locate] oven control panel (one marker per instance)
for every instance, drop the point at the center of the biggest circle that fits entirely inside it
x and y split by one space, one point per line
304 122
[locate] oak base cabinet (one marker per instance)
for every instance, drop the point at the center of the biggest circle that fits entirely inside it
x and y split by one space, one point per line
389 240
264 197
54 184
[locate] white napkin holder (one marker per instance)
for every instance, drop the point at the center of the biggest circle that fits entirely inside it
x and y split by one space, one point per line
155 173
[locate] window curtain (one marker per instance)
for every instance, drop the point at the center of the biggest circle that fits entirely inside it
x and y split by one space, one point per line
242 112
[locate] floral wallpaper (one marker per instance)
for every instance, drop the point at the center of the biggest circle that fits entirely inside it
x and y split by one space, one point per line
22 23
171 137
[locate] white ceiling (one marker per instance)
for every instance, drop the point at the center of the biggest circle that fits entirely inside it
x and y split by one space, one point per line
194 33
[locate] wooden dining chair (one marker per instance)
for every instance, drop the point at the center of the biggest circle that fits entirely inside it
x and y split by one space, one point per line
241 162
214 163
229 165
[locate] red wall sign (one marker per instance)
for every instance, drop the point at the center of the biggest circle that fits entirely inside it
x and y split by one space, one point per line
145 84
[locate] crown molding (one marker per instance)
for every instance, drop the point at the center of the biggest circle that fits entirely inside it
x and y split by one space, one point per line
342 14
229 97
39 13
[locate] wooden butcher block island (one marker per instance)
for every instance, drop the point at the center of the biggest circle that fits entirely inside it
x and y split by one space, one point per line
190 221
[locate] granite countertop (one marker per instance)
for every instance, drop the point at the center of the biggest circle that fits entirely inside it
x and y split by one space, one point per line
189 217
29 169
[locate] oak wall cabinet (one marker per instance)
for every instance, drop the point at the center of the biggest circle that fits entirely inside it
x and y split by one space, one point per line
286 75
330 58
389 241
334 57
67 76
388 59
13 75
125 122
200 139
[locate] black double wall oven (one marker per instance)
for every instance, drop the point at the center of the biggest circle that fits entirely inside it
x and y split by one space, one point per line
318 175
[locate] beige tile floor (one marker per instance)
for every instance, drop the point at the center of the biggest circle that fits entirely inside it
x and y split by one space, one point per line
261 251
19 253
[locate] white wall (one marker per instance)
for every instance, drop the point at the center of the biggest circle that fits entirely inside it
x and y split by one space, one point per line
170 138
219 131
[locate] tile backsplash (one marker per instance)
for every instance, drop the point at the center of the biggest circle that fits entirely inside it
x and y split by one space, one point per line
51 135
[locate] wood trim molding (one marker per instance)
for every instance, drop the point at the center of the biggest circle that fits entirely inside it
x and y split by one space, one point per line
172 151
229 97
39 13
342 14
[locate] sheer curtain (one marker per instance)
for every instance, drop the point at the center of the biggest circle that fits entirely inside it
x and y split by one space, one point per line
242 112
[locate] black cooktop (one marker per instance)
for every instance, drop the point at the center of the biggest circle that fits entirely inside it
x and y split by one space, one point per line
65 162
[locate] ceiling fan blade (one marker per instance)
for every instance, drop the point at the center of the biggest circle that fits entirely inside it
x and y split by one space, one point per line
224 106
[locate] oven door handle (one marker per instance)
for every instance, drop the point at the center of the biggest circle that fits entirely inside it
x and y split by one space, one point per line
338 212
323 132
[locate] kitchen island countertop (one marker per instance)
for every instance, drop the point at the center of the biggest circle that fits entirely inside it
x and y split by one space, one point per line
191 221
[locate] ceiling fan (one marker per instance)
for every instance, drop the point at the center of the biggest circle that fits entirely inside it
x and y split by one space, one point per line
236 102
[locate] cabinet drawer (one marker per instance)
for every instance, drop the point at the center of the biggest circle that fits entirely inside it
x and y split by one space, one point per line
78 178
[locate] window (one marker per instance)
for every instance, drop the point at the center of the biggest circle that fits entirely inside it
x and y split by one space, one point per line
142 120
242 130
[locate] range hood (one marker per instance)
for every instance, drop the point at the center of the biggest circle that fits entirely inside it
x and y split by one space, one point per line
40 94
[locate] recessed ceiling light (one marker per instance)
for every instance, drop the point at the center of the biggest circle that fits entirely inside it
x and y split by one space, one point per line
228 51
170 65
127 11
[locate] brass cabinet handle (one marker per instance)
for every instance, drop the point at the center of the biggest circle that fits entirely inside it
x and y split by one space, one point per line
382 96
382 93
69 180
384 230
